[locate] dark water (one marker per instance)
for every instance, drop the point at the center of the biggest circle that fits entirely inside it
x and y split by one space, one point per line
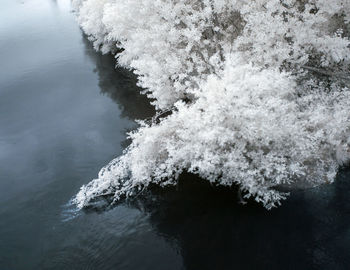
64 112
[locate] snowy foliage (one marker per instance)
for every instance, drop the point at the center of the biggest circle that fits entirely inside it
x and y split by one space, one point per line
258 91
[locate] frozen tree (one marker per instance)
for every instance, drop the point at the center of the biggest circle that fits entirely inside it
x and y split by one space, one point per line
258 91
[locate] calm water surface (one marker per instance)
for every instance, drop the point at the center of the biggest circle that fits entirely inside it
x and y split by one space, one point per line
64 112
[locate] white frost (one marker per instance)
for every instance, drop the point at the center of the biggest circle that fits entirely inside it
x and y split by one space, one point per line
259 91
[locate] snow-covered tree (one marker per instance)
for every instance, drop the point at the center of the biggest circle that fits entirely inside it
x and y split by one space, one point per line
258 91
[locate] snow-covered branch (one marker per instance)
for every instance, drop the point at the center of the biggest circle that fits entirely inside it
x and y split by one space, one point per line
258 90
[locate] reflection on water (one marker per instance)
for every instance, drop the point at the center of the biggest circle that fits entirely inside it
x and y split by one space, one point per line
309 231
57 130
119 84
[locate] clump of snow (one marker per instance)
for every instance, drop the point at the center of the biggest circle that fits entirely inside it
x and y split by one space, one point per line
258 90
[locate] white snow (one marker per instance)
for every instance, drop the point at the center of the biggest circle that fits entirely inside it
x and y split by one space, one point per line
259 91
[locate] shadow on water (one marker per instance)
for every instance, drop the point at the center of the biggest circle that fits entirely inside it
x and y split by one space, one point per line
311 230
119 84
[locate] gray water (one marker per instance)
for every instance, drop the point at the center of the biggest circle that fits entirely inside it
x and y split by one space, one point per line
64 113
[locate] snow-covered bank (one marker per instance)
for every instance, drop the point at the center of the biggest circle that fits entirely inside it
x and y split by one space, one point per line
259 91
